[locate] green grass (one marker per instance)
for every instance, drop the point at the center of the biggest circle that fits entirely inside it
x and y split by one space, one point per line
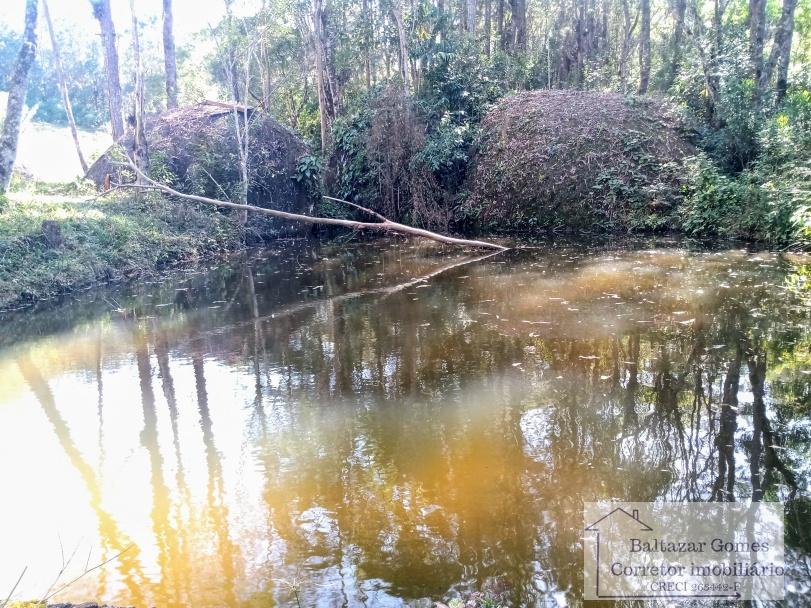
104 240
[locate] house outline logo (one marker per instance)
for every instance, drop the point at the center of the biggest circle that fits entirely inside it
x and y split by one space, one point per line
634 515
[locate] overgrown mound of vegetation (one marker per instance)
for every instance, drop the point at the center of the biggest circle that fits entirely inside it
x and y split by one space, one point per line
576 160
196 150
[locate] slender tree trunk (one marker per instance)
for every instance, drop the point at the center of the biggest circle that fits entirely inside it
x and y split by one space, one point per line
625 51
500 23
397 13
470 16
231 54
169 57
783 65
63 86
676 42
713 77
103 14
440 4
644 48
488 12
519 21
367 43
521 35
757 35
324 108
17 83
140 153
781 46
242 126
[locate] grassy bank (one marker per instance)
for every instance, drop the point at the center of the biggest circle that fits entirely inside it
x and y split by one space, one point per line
85 242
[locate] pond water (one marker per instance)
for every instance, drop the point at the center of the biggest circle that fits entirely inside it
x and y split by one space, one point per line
388 423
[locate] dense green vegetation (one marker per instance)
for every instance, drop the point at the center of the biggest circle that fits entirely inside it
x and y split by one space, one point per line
406 89
398 107
104 240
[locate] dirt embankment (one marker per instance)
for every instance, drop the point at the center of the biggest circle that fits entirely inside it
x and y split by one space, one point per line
577 160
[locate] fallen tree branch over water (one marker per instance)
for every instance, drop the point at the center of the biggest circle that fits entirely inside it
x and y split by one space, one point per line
384 225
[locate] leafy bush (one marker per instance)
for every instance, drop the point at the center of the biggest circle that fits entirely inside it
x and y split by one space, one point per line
378 163
770 200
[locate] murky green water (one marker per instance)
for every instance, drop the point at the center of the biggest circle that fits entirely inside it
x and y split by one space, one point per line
382 423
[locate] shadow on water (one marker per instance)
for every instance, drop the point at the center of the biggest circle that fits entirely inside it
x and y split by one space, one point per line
383 423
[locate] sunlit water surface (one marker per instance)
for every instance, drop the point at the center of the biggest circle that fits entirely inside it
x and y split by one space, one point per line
387 423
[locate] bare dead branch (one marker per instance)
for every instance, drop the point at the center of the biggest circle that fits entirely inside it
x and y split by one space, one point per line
383 226
85 573
356 206
13 589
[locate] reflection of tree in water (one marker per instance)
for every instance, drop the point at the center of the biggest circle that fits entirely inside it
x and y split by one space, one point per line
638 416
173 587
413 440
113 540
217 510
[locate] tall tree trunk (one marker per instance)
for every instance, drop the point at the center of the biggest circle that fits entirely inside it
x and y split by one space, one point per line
644 48
367 43
169 57
63 86
231 55
625 51
103 14
140 153
17 84
757 35
488 26
500 25
783 65
318 44
781 46
397 13
517 37
470 16
676 42
440 4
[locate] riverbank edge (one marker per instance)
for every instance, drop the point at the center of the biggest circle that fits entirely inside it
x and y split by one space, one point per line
51 247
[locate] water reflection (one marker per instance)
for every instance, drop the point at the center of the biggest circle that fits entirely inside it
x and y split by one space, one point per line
377 424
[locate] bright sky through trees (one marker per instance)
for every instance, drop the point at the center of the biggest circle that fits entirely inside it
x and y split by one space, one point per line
190 15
